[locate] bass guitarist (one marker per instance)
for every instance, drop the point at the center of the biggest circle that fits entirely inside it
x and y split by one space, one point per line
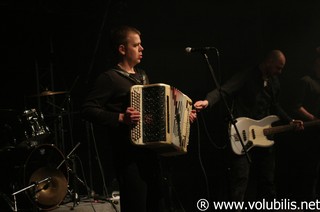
255 95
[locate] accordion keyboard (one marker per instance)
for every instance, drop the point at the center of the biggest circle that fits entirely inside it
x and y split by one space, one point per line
136 129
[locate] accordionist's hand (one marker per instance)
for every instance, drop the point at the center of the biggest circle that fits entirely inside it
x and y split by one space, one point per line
131 116
193 116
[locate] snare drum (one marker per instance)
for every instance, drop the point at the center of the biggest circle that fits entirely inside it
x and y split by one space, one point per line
43 167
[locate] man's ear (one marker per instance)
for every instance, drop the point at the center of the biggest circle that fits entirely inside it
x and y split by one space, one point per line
122 49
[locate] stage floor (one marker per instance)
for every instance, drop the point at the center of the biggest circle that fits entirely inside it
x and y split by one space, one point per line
90 205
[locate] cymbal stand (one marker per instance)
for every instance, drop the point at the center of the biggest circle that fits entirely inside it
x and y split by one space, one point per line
59 127
15 209
75 179
74 194
70 153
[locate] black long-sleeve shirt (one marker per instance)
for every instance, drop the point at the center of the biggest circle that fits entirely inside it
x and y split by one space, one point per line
253 97
307 95
110 96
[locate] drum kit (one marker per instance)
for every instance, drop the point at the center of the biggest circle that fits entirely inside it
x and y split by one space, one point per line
35 172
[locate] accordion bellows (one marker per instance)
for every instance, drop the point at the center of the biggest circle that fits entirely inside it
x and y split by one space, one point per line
164 124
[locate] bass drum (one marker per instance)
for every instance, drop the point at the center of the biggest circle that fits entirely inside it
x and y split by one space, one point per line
41 168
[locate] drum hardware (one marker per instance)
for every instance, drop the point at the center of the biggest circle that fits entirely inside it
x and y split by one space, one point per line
33 185
62 113
46 184
49 193
6 203
74 194
34 125
58 125
26 129
68 156
57 110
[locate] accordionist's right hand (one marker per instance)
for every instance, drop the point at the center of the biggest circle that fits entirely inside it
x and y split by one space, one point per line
193 116
131 116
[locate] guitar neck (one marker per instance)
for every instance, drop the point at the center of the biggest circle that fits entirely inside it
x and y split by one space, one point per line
289 127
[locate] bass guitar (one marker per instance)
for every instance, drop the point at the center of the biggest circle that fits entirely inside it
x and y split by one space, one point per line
257 132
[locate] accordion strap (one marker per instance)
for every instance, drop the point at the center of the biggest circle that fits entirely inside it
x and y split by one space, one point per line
141 81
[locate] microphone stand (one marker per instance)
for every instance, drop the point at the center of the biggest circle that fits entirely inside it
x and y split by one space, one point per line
231 118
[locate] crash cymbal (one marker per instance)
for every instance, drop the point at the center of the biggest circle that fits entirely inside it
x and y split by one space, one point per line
48 93
50 193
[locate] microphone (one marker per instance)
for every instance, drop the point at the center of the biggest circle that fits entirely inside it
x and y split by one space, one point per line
200 49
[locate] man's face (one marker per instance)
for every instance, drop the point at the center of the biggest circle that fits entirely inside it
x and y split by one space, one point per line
275 66
133 49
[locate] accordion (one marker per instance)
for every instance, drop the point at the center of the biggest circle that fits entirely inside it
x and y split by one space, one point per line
164 123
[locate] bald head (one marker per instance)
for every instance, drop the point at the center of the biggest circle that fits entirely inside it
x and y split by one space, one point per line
273 63
276 56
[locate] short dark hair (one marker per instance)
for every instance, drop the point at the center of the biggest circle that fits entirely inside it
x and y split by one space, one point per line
119 35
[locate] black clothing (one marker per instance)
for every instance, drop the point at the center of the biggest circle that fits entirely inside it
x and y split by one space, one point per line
307 95
110 96
300 166
137 169
255 98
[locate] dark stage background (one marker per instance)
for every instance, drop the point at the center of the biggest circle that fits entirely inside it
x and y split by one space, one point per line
62 46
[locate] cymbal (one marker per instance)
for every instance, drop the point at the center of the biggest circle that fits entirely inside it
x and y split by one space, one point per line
49 194
48 93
